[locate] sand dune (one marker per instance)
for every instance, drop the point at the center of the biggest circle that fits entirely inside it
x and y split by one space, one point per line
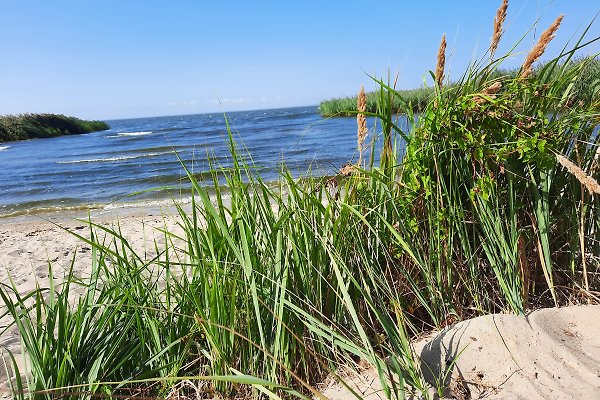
549 354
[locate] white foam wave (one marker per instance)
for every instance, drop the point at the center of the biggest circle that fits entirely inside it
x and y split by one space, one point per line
148 203
141 133
113 159
4 148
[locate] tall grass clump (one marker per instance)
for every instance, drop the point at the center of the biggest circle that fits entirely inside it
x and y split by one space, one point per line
487 203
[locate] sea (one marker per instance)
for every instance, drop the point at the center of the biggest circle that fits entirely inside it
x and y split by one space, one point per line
141 161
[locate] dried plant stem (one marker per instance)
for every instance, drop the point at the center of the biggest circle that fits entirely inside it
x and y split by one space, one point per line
540 47
361 121
498 23
595 161
582 243
489 92
524 268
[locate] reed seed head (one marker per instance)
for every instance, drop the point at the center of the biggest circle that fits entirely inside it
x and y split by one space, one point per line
361 121
540 47
586 180
441 62
498 24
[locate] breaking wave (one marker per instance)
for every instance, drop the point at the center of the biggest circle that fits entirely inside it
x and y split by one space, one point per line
141 133
114 159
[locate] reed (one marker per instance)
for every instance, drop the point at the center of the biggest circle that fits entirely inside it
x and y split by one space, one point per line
499 20
540 47
586 180
29 126
361 121
441 62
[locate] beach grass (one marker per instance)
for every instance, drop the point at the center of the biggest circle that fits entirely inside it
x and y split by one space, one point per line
489 202
30 126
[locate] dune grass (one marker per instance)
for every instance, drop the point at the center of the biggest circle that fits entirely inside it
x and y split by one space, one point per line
29 126
492 208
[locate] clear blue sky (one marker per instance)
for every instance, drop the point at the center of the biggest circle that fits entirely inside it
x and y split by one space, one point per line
127 58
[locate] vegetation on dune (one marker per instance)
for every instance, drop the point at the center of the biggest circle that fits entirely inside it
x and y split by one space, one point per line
29 126
417 99
495 206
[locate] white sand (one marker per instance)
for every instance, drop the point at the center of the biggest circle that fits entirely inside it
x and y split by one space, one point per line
550 354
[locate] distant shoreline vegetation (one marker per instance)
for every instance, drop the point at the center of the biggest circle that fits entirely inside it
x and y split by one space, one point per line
30 126
419 98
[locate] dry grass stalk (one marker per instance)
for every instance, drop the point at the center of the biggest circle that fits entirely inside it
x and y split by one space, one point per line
524 268
489 92
586 180
441 62
361 121
493 89
540 47
595 161
348 169
498 23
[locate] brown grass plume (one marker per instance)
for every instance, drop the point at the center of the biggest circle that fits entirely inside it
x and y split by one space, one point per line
361 121
540 47
441 62
586 180
498 24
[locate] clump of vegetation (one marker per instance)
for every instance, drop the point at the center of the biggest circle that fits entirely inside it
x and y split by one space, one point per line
495 206
343 107
418 99
29 126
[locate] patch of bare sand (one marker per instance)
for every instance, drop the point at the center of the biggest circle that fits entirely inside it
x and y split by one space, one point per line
550 354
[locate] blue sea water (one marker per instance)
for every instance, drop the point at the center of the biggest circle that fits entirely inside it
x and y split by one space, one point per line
102 169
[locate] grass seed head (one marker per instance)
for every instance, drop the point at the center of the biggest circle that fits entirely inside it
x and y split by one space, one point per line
586 180
498 23
441 62
540 47
361 120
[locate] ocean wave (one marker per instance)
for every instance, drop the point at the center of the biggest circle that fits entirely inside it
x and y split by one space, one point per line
141 133
113 159
4 148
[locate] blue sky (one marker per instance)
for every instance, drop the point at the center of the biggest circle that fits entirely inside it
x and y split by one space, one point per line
115 59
